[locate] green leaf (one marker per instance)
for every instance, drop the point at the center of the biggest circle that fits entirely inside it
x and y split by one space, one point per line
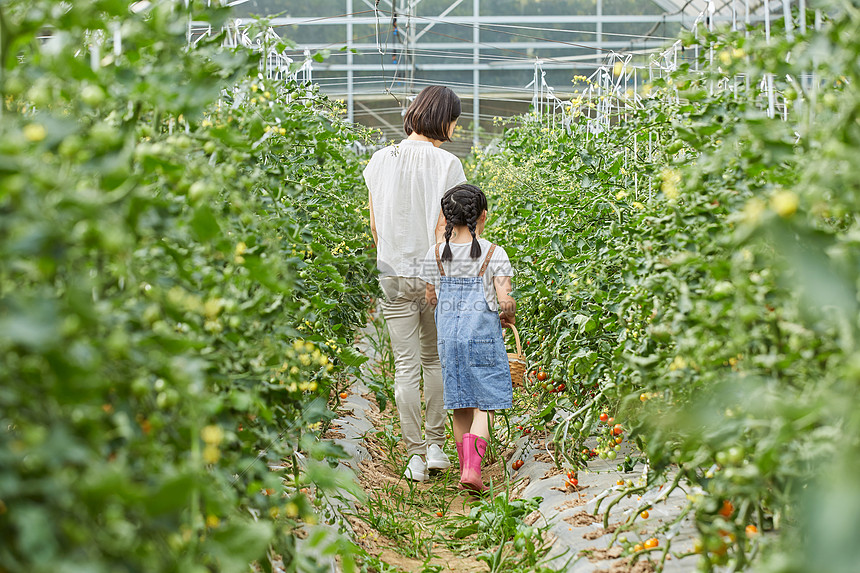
204 223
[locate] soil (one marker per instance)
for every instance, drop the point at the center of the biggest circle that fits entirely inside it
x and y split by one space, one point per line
592 535
551 472
625 566
595 555
581 519
569 504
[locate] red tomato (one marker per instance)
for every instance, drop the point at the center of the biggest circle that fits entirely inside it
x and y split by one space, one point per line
727 509
604 416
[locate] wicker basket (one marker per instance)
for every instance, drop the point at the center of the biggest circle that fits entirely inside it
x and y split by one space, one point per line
517 361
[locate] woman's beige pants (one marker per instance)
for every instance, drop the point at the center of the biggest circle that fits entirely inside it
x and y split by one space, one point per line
412 328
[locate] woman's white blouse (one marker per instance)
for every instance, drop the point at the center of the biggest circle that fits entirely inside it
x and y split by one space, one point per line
406 183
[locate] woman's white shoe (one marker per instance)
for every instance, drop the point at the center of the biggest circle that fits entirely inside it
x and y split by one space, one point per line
436 458
416 469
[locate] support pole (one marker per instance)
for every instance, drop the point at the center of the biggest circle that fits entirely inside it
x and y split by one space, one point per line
802 9
599 28
350 91
734 17
767 20
476 76
789 24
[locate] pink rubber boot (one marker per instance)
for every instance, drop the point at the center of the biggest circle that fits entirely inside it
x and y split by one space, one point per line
460 459
474 448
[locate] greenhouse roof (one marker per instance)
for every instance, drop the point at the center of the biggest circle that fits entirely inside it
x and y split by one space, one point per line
720 7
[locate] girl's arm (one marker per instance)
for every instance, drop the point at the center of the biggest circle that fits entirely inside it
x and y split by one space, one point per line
430 294
507 304
372 220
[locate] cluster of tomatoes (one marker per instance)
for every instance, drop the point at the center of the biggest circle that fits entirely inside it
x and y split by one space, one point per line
524 429
650 543
544 383
717 545
610 438
572 479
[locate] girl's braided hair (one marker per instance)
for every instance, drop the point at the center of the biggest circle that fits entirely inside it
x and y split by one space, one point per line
462 205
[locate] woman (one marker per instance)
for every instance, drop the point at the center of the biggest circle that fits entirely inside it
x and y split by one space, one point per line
406 182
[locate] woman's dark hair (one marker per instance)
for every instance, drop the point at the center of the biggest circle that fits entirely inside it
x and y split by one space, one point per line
431 113
462 205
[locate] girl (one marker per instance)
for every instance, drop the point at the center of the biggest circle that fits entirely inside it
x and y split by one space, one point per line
406 182
470 274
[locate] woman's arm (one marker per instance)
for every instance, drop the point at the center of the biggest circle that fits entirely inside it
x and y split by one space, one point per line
440 228
372 220
507 304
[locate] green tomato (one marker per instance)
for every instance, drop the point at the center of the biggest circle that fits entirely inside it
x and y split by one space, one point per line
200 190
105 135
15 86
611 455
41 94
167 399
92 95
70 146
140 387
735 455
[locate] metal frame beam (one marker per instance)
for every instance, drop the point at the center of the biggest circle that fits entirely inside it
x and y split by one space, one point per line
490 20
467 45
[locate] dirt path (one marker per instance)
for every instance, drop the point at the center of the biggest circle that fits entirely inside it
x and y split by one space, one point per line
407 526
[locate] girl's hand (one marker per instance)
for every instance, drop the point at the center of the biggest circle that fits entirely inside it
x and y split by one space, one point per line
507 305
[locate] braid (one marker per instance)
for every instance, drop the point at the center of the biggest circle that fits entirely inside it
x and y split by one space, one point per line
472 222
447 255
447 208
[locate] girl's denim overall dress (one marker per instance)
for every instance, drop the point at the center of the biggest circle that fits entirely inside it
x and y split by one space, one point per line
471 345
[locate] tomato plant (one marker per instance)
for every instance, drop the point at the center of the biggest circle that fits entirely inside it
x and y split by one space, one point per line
671 271
177 296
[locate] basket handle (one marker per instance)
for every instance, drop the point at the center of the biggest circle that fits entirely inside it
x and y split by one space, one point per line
517 339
